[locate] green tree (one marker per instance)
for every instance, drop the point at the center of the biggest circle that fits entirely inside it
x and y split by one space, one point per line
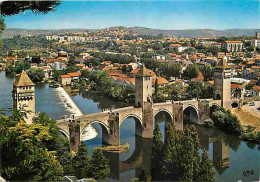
36 75
58 143
192 71
99 165
156 87
214 50
124 69
181 160
24 155
9 68
19 67
9 8
207 72
157 152
206 172
81 162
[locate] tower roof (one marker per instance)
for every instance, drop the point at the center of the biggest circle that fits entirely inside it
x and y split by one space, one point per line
23 80
143 71
222 64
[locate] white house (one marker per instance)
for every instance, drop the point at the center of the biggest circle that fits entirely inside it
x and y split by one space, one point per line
177 47
255 91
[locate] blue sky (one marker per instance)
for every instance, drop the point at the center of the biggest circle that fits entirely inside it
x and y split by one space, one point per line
175 14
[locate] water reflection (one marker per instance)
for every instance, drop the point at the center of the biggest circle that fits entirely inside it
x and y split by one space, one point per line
131 168
89 102
220 156
230 156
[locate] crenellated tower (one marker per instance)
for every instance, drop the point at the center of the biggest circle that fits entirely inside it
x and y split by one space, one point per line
143 86
24 95
222 83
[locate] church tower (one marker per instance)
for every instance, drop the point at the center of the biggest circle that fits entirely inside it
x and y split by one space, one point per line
222 83
143 86
24 95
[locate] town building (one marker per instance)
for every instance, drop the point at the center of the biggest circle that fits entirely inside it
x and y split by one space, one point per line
233 46
64 80
177 47
255 91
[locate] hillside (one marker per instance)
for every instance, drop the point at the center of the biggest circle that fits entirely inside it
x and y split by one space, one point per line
10 32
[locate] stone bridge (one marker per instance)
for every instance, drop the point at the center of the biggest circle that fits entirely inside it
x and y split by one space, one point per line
196 111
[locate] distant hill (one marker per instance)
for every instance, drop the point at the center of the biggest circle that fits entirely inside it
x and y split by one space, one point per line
10 32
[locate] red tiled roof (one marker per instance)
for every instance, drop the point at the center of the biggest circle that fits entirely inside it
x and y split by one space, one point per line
45 67
135 71
175 45
252 82
161 80
256 88
211 82
236 86
10 58
80 65
234 41
200 76
114 73
51 60
65 76
75 74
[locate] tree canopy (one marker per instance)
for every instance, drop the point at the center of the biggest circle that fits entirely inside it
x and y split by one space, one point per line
9 8
178 159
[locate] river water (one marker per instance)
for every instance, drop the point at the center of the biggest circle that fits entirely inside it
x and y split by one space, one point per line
231 157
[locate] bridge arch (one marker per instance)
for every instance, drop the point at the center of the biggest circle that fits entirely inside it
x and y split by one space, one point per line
138 123
164 110
63 132
164 118
191 113
104 128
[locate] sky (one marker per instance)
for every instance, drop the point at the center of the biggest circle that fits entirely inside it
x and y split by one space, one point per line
171 15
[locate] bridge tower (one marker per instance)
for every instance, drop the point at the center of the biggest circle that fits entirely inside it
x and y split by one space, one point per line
143 86
222 84
24 95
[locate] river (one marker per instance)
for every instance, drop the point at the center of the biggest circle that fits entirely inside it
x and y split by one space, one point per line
231 157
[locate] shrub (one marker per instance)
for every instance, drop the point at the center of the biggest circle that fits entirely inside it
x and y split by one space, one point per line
208 123
248 134
226 121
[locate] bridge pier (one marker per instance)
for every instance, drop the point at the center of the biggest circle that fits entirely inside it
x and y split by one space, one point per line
113 136
147 120
204 111
178 115
74 135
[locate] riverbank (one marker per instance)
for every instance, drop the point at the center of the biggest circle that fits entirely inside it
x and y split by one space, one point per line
248 115
89 132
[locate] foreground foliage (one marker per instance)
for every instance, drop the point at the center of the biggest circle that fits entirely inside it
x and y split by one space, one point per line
178 159
24 153
38 152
